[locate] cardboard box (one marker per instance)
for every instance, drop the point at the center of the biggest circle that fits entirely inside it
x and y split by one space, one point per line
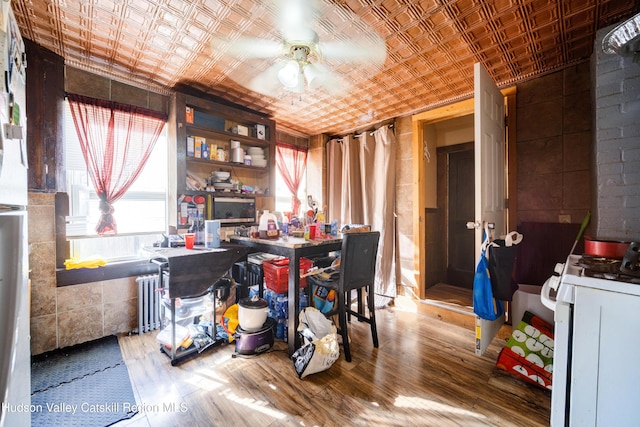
198 146
189 115
261 132
191 146
209 121
527 298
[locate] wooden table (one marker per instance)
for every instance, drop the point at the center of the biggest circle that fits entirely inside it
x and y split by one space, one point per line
293 248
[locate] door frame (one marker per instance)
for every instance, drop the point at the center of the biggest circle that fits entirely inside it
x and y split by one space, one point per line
446 112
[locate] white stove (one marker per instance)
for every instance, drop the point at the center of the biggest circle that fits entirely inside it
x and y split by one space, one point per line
596 377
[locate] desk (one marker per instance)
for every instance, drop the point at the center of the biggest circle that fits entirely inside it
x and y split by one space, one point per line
292 248
192 273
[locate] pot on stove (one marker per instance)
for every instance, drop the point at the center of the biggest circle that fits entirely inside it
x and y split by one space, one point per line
605 248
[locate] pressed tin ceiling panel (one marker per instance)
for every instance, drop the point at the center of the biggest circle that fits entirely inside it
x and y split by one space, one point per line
431 48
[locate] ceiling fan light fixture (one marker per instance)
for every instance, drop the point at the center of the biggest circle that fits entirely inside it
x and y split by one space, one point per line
289 75
313 76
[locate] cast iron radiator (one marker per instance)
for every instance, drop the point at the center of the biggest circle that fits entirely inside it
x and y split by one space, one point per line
149 297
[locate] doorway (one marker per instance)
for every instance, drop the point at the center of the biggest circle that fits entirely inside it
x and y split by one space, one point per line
425 205
459 209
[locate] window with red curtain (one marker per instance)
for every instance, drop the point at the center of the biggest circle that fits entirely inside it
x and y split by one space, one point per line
116 141
291 162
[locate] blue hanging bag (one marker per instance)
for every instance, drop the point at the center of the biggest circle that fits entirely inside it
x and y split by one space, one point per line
484 304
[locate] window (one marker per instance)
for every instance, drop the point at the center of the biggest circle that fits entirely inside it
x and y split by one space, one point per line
283 194
291 170
141 214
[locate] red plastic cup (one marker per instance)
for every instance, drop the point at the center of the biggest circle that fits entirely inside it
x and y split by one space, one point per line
312 231
189 239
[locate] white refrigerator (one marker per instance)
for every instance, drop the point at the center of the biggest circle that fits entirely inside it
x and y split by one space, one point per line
15 355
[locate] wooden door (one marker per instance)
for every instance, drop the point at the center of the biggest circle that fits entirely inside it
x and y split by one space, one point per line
460 252
490 177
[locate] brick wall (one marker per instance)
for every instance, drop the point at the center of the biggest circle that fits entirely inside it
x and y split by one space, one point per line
616 212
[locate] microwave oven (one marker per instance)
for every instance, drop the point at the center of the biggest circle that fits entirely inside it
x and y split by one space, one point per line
234 210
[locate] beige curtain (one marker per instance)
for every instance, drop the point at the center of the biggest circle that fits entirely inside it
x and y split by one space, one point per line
345 200
361 181
376 152
334 181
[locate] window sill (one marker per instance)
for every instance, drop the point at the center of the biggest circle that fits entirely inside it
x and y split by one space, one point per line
115 270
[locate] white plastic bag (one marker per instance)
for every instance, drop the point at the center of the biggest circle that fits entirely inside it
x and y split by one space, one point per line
320 348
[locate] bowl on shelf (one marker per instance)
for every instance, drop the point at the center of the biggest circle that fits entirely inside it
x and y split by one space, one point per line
255 151
259 163
222 186
220 175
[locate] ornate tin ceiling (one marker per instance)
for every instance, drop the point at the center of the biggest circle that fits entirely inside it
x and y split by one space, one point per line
431 48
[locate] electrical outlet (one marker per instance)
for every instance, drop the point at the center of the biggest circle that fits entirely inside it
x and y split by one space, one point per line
564 219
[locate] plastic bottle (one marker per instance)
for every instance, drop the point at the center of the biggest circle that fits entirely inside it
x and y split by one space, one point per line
280 329
304 301
268 225
200 231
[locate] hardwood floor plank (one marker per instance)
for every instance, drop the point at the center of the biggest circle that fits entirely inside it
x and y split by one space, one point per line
424 373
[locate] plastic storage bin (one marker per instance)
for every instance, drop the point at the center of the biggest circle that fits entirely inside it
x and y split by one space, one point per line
276 274
527 298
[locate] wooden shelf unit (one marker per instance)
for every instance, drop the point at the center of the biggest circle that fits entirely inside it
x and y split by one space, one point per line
215 122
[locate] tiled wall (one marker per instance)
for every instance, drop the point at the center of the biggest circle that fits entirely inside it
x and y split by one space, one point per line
553 149
64 316
617 144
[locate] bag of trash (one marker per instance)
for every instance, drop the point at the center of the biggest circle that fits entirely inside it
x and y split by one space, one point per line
320 347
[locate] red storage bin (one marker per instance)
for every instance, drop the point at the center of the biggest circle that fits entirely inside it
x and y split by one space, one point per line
276 274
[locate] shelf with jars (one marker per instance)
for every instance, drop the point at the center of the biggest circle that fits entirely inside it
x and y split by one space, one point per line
213 139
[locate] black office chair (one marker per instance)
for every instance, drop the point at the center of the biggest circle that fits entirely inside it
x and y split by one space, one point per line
357 272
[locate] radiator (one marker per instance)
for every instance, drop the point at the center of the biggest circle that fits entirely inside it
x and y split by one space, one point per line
149 297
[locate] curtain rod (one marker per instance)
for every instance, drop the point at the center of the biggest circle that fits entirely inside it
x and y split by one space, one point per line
357 135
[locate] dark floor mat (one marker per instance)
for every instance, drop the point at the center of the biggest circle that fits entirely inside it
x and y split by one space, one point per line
83 385
67 364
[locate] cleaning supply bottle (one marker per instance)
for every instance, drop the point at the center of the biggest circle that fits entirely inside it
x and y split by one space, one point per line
268 227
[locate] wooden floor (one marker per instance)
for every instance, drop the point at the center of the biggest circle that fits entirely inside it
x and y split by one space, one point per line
424 373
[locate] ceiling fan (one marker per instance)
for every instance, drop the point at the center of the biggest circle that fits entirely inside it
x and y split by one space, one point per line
315 45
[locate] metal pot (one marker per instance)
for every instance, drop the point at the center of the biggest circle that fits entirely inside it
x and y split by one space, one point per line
605 248
252 313
222 288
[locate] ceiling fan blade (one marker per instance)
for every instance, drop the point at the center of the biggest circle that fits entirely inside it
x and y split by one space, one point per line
371 51
319 76
296 20
248 47
267 82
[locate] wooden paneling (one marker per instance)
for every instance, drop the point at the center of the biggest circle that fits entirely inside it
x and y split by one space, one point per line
45 112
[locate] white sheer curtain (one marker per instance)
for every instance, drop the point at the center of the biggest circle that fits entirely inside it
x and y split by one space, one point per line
361 181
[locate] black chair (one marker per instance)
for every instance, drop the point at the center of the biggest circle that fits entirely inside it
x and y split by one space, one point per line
357 272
